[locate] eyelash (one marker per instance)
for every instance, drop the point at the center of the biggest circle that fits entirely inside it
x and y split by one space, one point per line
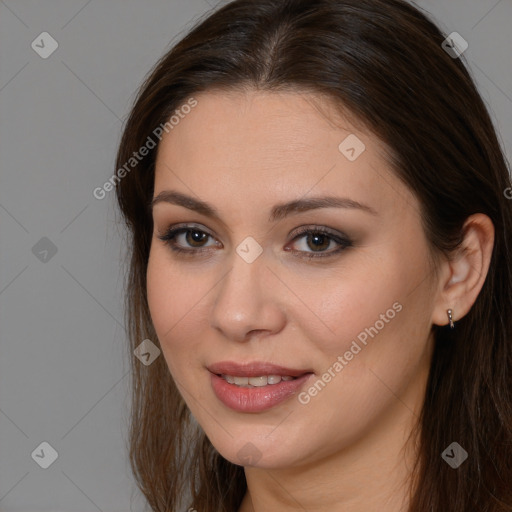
344 242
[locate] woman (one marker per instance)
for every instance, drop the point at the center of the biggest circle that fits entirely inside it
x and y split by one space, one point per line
320 247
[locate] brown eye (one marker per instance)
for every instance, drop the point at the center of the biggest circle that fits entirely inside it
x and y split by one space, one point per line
195 238
317 241
188 240
312 242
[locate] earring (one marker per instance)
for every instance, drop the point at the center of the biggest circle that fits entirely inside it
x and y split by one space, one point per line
450 318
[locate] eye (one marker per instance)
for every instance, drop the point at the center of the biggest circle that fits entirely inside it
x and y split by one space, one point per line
189 236
190 240
319 240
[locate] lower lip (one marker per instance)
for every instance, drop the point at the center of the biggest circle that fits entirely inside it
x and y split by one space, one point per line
256 399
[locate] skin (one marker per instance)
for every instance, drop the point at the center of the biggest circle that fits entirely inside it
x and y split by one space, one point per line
243 153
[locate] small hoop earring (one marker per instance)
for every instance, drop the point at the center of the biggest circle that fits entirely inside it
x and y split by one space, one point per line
450 318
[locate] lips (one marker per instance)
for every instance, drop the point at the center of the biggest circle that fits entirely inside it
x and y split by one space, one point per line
254 369
254 399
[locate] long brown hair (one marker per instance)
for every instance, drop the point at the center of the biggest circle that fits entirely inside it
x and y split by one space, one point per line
383 61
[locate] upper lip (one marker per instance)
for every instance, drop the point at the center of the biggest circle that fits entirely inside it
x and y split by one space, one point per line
253 369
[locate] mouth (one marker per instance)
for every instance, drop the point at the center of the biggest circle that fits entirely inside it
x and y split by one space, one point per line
258 373
255 387
256 382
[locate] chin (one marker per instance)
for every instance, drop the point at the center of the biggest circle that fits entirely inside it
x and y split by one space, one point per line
256 449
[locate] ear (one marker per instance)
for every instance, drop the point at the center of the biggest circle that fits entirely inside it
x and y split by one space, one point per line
463 275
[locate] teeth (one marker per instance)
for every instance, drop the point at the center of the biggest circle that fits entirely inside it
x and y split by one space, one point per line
256 382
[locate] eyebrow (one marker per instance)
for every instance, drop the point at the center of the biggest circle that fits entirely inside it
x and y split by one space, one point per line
278 212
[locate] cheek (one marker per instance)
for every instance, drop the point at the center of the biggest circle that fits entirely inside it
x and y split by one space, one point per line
375 350
375 317
174 300
345 305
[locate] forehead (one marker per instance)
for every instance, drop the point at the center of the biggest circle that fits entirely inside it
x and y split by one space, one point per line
279 124
265 144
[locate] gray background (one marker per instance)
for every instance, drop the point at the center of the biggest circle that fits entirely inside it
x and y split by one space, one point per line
63 365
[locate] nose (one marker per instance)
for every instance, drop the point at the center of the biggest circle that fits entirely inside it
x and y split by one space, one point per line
247 301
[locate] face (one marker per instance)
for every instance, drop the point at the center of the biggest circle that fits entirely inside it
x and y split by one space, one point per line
336 294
